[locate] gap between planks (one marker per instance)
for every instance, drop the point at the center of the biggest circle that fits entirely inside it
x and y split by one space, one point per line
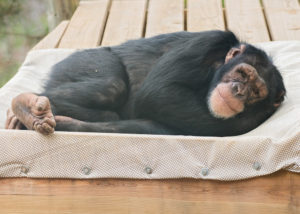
52 43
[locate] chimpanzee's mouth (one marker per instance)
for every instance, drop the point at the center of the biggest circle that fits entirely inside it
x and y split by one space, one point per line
226 102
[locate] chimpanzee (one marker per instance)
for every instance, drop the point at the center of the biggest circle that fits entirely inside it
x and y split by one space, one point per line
204 84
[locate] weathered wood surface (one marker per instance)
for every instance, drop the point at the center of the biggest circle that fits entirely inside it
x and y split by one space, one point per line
129 17
283 17
86 26
165 17
205 15
246 19
277 194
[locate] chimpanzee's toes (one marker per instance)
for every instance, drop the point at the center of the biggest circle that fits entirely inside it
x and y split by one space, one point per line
44 126
44 122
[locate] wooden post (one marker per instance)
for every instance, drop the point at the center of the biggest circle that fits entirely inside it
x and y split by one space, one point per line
59 10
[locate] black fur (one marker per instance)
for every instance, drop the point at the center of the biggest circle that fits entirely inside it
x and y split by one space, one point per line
158 85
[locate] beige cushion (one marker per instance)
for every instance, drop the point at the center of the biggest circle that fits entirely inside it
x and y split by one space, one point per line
272 146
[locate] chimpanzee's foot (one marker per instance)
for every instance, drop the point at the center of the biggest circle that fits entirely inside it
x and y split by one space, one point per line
12 122
34 112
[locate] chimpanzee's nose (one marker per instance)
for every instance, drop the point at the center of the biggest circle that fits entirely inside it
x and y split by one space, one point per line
238 89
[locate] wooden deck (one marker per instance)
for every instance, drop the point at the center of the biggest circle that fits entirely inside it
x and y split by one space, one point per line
108 22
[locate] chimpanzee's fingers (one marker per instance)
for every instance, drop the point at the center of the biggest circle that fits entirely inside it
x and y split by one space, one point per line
9 117
13 122
50 121
19 125
44 129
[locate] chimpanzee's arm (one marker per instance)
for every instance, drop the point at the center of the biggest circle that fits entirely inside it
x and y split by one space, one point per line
192 62
177 107
175 91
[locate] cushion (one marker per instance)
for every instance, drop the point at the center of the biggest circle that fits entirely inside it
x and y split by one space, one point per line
272 146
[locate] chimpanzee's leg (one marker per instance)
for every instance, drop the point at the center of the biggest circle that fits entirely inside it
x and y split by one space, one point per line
34 112
93 79
90 85
137 126
93 100
83 113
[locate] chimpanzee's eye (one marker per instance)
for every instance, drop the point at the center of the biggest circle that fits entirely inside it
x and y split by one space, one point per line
256 91
243 74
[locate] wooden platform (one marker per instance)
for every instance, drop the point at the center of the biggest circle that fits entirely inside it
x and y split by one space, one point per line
108 22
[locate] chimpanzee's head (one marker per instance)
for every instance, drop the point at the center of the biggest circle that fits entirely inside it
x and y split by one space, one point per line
247 78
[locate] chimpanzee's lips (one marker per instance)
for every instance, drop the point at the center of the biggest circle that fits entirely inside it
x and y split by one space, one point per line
223 104
226 102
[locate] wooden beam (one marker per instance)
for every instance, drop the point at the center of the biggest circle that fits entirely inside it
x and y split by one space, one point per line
284 19
205 15
278 193
126 21
246 19
165 16
86 26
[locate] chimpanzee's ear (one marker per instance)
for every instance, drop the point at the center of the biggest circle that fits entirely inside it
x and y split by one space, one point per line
234 52
279 98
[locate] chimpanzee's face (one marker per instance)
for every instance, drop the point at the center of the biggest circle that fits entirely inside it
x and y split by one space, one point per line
246 78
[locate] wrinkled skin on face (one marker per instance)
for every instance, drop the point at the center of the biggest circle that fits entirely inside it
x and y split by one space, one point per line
242 84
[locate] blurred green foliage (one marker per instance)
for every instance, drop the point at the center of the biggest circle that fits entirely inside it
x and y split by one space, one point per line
8 8
23 24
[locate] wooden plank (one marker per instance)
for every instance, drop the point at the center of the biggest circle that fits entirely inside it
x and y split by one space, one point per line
133 205
165 16
126 20
246 19
205 15
86 26
53 38
284 19
277 194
